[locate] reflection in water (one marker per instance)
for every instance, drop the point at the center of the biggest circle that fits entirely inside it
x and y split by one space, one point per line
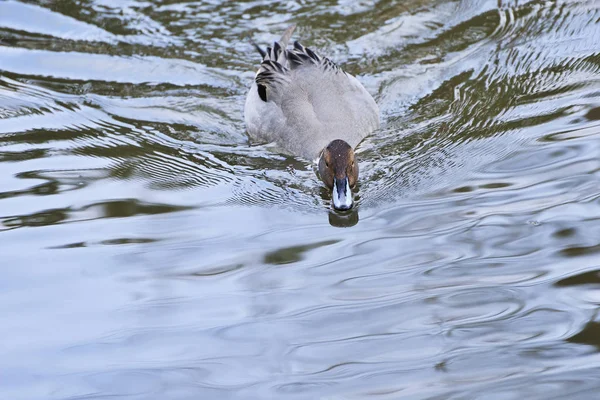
343 219
150 250
586 278
590 335
294 254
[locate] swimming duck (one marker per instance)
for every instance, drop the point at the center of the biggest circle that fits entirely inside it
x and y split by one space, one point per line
311 108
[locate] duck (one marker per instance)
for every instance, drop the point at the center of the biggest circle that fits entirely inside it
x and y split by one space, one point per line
311 108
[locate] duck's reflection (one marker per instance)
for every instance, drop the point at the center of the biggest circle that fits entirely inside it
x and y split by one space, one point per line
343 219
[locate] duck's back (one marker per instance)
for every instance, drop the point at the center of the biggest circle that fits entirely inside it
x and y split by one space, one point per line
302 102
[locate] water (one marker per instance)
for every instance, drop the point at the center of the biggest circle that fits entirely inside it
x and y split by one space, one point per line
148 250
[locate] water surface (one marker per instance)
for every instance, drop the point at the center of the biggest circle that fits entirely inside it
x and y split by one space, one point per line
149 250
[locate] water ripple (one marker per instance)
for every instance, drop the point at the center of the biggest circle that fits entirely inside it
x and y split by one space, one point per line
150 249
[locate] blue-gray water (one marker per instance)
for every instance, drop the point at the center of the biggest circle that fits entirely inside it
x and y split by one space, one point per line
149 251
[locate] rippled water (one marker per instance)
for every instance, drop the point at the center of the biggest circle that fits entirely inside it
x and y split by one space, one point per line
149 251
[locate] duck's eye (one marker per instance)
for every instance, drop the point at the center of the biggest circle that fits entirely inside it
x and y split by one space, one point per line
326 164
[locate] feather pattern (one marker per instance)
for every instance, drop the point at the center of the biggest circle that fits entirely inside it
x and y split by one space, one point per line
299 56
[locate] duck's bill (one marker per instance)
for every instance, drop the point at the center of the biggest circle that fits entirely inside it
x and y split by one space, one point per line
342 195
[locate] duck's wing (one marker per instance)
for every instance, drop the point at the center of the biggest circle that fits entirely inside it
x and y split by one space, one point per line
274 66
276 53
301 56
337 99
278 61
302 101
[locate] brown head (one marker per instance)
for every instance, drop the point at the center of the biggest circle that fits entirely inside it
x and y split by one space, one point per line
339 171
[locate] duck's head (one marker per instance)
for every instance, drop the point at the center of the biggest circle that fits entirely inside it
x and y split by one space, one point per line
339 171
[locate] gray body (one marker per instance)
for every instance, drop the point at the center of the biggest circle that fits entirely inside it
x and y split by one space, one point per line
310 102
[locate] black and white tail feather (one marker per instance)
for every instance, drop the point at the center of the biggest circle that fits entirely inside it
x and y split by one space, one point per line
279 60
